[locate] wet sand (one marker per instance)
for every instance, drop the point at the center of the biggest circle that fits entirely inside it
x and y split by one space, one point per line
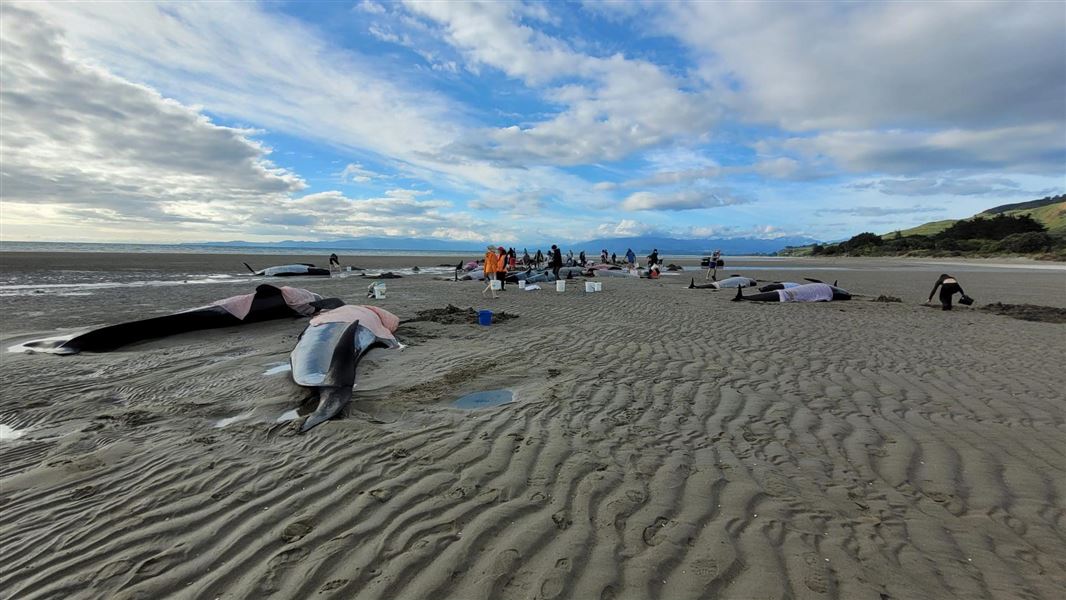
662 443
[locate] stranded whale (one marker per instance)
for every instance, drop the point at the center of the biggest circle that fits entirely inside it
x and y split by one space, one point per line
268 302
290 270
329 350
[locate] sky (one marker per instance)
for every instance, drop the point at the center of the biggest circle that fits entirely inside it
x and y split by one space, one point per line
522 122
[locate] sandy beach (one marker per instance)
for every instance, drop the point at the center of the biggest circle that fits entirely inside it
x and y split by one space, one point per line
662 443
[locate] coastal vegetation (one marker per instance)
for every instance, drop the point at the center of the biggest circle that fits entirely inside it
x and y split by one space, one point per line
1035 229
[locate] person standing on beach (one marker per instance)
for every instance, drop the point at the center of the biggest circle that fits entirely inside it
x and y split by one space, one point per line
491 266
334 261
949 286
512 258
556 261
539 258
614 258
525 257
712 266
631 258
653 258
581 258
501 266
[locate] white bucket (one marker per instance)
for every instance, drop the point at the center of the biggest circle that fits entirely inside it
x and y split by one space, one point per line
379 291
522 284
590 287
348 269
496 284
599 286
560 286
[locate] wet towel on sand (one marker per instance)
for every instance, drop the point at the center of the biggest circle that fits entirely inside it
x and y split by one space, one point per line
811 292
380 321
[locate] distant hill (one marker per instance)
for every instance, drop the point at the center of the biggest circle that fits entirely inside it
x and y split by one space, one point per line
1049 212
642 245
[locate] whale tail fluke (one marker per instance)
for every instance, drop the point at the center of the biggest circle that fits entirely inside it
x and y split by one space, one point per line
740 294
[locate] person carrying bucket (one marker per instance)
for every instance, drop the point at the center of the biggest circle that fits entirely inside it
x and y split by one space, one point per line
491 266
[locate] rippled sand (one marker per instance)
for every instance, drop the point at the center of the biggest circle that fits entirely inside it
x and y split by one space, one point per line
663 443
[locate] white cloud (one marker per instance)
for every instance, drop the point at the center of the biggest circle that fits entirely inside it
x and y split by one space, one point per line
625 228
614 105
78 137
856 66
681 200
357 173
880 211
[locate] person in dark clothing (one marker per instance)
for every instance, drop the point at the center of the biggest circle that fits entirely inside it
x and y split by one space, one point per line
581 259
539 258
334 261
949 286
614 258
526 260
653 258
556 261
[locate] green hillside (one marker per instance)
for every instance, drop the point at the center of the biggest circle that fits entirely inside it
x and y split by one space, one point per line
1049 212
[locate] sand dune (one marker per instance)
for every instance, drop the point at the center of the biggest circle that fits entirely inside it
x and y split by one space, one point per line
664 443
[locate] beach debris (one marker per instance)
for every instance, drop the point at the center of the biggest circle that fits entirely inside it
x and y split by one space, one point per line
884 298
1027 312
453 315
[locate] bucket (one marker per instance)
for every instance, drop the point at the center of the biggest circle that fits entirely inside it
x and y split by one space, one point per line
522 284
590 287
599 286
484 317
379 291
348 269
496 284
560 285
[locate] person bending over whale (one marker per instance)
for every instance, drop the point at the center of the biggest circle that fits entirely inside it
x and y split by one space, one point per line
949 286
267 303
808 292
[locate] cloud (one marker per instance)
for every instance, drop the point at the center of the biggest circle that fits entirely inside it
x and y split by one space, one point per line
810 66
614 106
357 173
1038 148
79 137
971 186
879 211
681 200
625 228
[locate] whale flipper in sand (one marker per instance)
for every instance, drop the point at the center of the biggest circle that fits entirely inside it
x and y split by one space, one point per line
267 303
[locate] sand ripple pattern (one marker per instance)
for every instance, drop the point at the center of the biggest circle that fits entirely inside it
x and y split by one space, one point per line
716 450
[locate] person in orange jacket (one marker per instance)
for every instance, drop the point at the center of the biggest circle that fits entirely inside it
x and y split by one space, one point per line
492 264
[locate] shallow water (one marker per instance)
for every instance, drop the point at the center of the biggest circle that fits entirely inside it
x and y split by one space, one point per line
8 433
274 369
486 399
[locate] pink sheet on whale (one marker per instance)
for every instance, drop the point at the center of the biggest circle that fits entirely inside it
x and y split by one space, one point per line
380 321
298 299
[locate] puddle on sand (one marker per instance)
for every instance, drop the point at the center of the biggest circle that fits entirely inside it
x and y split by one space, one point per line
485 399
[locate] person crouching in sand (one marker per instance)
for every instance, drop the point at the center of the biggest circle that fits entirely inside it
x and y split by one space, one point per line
949 286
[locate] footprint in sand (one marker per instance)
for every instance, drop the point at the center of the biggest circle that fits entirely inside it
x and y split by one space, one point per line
296 531
554 584
329 586
816 578
651 532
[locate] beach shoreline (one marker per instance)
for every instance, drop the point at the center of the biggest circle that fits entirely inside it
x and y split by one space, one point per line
663 442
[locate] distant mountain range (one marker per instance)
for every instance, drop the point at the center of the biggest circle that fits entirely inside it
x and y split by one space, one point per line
642 245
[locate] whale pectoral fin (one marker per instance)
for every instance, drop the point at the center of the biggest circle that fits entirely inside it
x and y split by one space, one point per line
345 356
814 280
740 294
692 284
332 401
250 268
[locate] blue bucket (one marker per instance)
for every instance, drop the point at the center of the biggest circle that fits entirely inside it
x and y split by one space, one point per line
484 317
